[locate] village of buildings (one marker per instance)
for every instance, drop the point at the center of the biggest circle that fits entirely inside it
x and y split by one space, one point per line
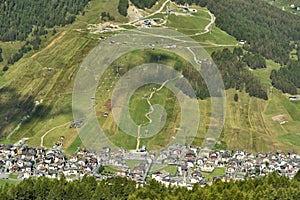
191 166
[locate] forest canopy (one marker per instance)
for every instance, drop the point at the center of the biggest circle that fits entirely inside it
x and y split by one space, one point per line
122 7
267 29
144 4
270 187
17 18
287 78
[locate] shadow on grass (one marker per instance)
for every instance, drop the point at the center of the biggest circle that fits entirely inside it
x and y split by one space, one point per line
16 108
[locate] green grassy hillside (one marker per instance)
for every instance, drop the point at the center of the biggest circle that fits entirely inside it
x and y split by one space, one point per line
249 124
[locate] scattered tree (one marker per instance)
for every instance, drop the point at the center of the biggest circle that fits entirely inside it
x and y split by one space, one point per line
5 68
100 169
236 97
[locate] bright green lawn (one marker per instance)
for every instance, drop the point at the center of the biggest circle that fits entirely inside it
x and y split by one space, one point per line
9 182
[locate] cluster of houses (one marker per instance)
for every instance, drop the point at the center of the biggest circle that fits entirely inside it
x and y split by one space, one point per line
294 98
293 6
187 9
103 27
25 161
147 23
193 164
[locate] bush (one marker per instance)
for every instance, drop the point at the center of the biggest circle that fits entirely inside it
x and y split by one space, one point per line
5 68
236 97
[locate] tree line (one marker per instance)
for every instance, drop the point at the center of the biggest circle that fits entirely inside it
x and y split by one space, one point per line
201 3
287 78
233 69
122 7
32 43
267 29
269 187
231 66
17 18
142 4
29 20
106 16
1 58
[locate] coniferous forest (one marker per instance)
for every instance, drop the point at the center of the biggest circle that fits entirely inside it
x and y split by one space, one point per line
268 32
28 20
122 7
17 18
270 187
234 70
144 4
287 78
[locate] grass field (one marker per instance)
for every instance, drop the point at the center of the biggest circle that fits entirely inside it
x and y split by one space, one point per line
8 49
248 124
188 24
172 169
108 170
13 176
9 182
219 171
62 52
249 121
138 104
132 163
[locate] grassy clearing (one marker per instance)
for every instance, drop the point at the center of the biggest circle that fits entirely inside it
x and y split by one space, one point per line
74 145
132 163
249 123
108 170
138 103
93 12
128 26
264 73
9 182
13 176
8 49
158 15
219 171
45 85
217 36
187 24
172 169
290 138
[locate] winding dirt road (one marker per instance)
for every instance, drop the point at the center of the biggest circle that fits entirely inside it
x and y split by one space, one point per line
43 136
